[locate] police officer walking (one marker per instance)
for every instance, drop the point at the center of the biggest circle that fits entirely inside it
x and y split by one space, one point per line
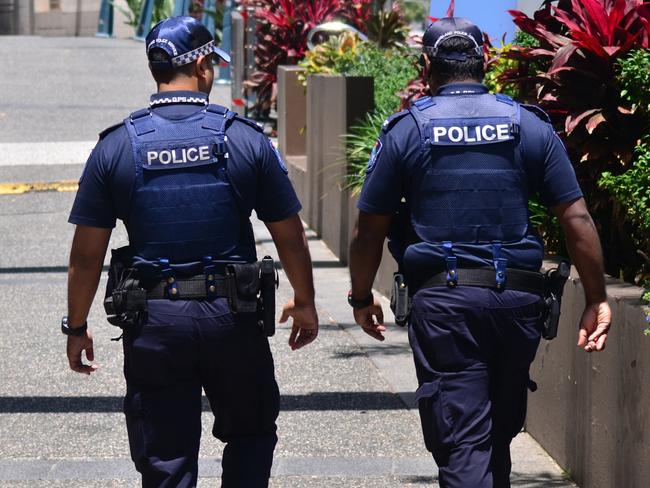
464 164
184 175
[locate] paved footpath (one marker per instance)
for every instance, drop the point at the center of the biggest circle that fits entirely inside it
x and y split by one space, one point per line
347 415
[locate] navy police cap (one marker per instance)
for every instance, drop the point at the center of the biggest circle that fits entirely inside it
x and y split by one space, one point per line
183 39
446 28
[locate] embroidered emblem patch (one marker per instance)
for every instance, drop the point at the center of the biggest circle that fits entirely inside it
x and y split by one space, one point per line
279 158
374 155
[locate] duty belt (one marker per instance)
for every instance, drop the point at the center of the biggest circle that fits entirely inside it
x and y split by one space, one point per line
516 279
193 288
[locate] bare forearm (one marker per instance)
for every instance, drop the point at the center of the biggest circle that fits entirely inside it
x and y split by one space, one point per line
86 260
365 257
587 256
365 252
585 250
293 250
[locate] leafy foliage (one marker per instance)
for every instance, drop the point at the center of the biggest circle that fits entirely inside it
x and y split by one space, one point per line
391 69
335 56
581 43
282 29
415 11
161 10
634 76
359 144
388 28
631 190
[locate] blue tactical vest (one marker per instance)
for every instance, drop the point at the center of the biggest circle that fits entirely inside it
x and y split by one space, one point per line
183 206
472 188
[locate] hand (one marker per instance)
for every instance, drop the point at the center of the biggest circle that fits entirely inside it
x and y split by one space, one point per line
594 326
305 323
371 319
74 348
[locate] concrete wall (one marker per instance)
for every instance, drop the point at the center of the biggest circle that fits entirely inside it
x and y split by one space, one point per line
592 411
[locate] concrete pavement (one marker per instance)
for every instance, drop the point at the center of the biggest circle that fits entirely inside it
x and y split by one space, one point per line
347 415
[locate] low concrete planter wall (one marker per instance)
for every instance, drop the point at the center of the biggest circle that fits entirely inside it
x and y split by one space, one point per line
592 411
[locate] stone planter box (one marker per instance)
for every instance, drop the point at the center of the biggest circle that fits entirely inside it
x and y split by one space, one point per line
292 137
334 104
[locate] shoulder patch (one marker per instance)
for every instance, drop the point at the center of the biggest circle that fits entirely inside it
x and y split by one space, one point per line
392 120
110 129
374 155
249 122
537 111
278 156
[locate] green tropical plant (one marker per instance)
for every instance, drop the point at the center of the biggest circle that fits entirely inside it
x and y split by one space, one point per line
132 12
161 10
335 56
359 143
388 28
634 77
391 70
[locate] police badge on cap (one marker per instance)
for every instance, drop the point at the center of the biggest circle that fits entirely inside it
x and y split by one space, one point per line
447 28
183 39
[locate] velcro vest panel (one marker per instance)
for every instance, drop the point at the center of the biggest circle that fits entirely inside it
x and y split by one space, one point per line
472 187
183 206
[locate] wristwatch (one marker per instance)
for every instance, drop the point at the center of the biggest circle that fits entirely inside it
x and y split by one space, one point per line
72 331
366 302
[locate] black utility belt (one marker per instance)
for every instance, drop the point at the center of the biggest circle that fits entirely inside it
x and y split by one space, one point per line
249 288
515 279
194 288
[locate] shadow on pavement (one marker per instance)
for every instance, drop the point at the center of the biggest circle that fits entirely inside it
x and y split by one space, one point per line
324 401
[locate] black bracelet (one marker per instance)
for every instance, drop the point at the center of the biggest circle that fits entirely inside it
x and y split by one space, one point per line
70 331
366 302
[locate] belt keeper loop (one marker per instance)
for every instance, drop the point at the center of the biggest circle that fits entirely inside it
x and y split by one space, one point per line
171 287
209 270
450 259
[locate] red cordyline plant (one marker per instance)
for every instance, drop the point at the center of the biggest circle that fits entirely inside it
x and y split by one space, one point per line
282 29
580 43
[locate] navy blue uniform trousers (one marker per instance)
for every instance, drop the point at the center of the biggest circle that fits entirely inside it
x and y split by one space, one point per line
184 347
473 348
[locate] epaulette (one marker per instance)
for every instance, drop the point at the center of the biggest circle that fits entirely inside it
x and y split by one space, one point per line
250 122
504 99
537 111
110 129
393 119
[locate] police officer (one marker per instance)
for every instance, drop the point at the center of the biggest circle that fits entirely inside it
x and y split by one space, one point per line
465 162
184 175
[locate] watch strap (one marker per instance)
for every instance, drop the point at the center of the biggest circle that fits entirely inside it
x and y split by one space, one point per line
366 302
70 331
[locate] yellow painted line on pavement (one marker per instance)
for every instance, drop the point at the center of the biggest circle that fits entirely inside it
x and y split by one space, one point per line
20 188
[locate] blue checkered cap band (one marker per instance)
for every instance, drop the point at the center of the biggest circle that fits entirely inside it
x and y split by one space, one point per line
193 55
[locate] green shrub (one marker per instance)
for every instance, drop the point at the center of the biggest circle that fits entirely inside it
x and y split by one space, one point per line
631 190
634 76
335 56
358 146
391 68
